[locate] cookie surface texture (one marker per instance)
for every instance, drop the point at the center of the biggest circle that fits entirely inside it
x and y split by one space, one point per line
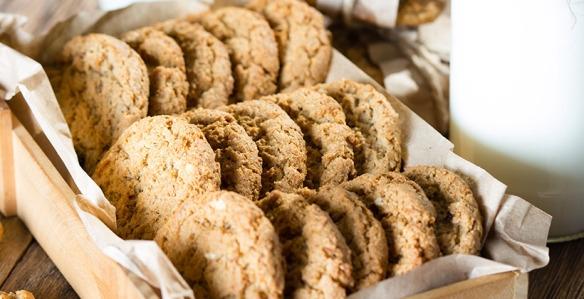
252 48
304 43
166 69
328 140
236 152
459 223
279 140
375 121
407 216
155 164
103 90
363 233
224 247
208 67
318 261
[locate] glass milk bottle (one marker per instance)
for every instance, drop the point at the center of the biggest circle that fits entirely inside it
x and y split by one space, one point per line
517 100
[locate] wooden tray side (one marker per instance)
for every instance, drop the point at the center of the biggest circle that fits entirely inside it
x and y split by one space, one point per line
44 203
7 185
495 286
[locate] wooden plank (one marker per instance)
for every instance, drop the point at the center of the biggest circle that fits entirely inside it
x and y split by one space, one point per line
44 204
501 285
38 275
7 187
13 245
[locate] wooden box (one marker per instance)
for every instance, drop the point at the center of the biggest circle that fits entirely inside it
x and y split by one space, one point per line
32 189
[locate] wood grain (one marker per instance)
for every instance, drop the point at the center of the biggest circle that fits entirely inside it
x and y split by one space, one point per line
13 245
38 275
564 276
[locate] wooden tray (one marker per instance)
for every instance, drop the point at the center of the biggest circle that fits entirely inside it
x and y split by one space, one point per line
32 188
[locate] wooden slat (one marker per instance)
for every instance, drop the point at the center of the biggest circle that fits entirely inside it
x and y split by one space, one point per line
44 204
502 285
43 279
7 191
13 245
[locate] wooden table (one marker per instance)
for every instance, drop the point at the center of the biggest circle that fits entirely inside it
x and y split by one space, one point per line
24 264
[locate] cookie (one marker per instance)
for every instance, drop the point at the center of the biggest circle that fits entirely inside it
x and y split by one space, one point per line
303 41
155 164
318 261
459 223
406 214
279 140
224 247
166 69
22 294
417 12
369 113
236 152
328 140
252 48
362 232
207 61
103 90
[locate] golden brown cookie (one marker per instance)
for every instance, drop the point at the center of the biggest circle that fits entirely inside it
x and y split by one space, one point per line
224 247
252 48
459 225
328 140
318 261
236 152
166 68
304 43
279 141
207 63
407 216
417 12
22 294
103 90
362 232
155 164
376 123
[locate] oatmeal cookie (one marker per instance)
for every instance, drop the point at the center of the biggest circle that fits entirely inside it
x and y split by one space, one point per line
279 141
166 68
376 123
103 90
328 140
207 61
459 224
362 232
304 43
407 216
156 163
318 260
236 152
224 247
252 48
418 12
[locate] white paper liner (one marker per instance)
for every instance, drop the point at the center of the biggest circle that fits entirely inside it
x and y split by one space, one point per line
517 231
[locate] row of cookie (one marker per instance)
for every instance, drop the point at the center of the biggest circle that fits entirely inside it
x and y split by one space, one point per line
227 54
284 141
318 136
312 137
149 172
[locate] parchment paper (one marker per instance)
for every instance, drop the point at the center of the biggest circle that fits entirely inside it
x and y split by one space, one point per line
517 231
